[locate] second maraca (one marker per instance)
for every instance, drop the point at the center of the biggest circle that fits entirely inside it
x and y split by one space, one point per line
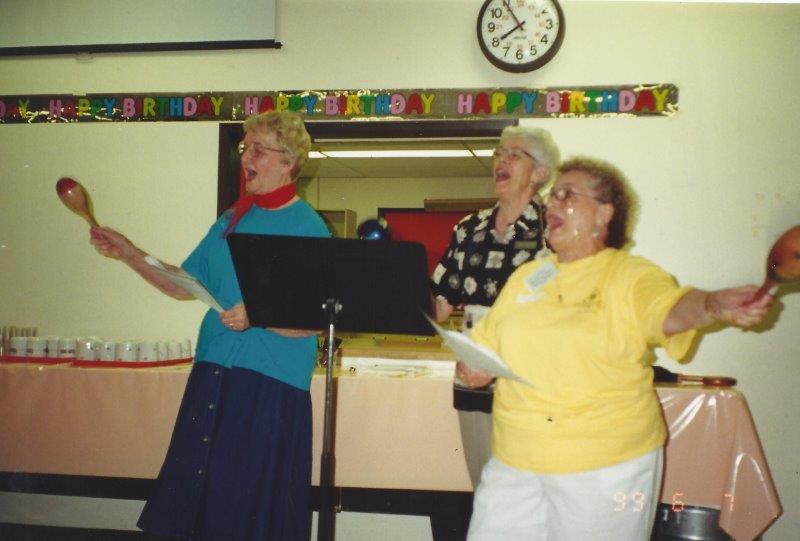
75 197
783 262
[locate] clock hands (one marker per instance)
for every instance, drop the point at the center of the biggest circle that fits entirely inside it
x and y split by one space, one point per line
507 4
520 25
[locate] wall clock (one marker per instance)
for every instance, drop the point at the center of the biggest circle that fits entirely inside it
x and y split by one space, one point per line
520 35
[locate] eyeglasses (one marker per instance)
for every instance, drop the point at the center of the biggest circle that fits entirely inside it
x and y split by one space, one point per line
511 154
257 149
565 194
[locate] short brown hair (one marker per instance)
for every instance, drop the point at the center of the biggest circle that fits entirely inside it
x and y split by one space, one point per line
610 186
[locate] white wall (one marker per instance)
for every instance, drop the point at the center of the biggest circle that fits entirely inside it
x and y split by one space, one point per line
365 196
718 182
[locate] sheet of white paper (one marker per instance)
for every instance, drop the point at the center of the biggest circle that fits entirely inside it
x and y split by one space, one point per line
191 285
477 356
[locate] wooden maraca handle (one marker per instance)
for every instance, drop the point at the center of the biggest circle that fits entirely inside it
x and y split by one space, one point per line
75 198
766 287
714 381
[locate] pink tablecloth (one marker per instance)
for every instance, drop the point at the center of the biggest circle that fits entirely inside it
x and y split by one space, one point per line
392 432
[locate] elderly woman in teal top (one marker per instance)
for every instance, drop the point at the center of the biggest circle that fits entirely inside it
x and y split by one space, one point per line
239 462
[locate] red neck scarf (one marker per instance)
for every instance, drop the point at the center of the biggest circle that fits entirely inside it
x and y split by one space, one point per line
272 200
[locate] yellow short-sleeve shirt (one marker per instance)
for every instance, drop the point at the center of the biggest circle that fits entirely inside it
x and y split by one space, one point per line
582 333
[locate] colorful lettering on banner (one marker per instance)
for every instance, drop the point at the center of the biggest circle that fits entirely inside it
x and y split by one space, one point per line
310 101
189 107
267 104
499 99
641 100
427 102
109 106
481 104
366 100
281 103
382 103
553 103
464 104
661 95
397 104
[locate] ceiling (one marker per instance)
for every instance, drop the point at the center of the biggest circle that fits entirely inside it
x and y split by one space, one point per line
428 167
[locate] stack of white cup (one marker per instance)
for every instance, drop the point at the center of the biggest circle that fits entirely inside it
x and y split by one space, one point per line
150 351
94 348
86 348
17 346
36 346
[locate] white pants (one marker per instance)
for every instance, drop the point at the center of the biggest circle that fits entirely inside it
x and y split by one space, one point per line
476 426
616 503
476 439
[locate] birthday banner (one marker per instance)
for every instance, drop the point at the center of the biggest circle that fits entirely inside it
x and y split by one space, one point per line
595 101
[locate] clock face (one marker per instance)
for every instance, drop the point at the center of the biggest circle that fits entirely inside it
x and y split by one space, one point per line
520 35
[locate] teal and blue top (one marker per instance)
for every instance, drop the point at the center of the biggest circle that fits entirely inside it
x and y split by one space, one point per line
290 360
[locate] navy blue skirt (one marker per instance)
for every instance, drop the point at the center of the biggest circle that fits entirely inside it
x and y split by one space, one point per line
238 466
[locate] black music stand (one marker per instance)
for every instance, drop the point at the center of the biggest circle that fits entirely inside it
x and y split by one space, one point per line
375 286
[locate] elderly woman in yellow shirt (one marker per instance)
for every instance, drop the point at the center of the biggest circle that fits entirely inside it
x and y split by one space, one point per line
580 325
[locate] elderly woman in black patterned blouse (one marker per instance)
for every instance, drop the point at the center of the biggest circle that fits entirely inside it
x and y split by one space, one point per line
486 247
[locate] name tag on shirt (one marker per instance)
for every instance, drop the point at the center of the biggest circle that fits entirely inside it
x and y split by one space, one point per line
526 245
536 280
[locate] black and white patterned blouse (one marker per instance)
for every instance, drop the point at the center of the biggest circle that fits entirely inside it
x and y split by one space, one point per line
477 264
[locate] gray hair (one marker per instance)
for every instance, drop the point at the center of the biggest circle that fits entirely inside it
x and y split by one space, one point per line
538 142
290 134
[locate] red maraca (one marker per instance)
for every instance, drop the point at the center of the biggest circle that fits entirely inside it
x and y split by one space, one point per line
783 262
74 196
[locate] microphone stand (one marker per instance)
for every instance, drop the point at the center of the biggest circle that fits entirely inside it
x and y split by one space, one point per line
326 523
